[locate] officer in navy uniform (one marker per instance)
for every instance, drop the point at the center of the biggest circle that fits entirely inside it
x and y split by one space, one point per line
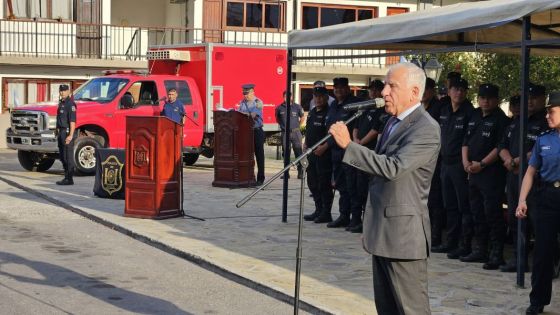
173 107
451 77
509 153
65 128
320 167
435 198
337 113
543 174
364 134
487 177
454 119
296 119
252 106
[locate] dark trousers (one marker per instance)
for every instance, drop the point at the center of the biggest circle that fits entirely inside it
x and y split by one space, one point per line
547 227
295 143
435 205
319 182
455 191
486 191
66 153
512 191
400 286
357 185
259 153
339 178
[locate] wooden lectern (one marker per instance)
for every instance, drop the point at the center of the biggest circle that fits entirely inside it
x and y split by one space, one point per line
153 162
234 150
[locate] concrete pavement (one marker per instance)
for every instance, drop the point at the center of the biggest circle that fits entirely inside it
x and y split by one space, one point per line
252 246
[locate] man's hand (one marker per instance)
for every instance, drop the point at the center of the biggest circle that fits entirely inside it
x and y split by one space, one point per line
507 165
320 150
466 166
521 211
474 168
253 115
68 139
340 133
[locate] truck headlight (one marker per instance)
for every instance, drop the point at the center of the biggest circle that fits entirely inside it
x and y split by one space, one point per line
52 122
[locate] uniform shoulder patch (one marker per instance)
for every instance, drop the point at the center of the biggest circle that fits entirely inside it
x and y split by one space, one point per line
259 103
546 132
73 108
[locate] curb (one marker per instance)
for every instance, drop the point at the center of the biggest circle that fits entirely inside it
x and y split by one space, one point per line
259 287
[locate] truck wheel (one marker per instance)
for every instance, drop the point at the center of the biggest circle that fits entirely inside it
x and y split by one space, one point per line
84 155
34 162
190 158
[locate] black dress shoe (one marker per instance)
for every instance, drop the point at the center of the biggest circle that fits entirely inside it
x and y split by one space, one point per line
323 218
342 221
493 264
357 229
457 253
534 310
312 216
443 248
260 182
474 257
66 181
353 224
511 266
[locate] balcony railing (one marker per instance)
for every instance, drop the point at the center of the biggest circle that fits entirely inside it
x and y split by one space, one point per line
43 39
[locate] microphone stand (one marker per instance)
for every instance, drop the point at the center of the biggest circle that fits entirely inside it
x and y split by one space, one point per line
302 160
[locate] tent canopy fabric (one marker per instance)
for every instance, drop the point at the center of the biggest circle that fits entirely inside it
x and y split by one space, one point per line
463 24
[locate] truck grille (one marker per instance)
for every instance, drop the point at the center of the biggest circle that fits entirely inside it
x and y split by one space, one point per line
28 121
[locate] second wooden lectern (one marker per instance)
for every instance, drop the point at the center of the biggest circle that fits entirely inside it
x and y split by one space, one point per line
153 162
234 150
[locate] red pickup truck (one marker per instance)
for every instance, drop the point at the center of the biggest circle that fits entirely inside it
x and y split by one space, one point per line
208 77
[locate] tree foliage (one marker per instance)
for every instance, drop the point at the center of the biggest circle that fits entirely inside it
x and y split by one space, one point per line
502 70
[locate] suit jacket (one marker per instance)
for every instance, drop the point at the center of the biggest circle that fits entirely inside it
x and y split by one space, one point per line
396 220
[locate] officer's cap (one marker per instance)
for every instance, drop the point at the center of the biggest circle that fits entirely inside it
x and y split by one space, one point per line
453 75
340 81
320 90
377 85
247 87
63 87
489 90
459 83
536 90
319 83
430 83
553 99
515 101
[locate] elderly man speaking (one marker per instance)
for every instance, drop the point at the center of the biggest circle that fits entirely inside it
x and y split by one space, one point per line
396 221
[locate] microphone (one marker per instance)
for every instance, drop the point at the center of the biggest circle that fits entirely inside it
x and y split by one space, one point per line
370 104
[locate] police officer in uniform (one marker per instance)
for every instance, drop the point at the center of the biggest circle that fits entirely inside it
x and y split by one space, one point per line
364 134
65 128
543 174
509 153
173 107
296 119
252 106
319 83
435 198
486 177
454 119
451 77
320 166
336 113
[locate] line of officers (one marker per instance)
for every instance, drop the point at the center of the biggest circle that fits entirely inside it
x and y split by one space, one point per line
479 161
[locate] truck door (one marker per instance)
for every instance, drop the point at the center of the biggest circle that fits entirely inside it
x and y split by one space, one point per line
194 120
145 96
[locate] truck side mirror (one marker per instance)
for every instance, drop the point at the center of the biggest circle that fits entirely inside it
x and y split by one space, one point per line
127 101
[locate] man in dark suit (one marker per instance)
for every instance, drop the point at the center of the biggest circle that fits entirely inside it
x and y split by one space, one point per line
396 221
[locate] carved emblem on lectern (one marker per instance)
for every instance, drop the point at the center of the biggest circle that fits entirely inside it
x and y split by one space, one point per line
140 156
112 179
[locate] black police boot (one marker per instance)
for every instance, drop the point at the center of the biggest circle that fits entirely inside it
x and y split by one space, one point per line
342 221
312 216
357 229
496 258
534 309
458 253
510 266
66 181
324 217
354 222
475 256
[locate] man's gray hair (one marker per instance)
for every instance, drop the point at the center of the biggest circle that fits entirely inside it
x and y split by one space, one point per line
416 76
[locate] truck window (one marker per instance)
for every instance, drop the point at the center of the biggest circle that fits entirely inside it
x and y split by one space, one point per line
143 93
182 89
101 89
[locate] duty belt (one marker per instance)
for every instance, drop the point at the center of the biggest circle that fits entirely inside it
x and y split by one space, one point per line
555 184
